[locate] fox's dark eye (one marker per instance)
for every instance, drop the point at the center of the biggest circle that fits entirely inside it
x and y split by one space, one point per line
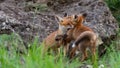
61 20
68 28
67 24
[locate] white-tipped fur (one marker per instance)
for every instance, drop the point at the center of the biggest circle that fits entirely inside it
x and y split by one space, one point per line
73 45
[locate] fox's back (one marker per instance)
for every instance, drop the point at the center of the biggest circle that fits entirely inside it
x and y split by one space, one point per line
78 30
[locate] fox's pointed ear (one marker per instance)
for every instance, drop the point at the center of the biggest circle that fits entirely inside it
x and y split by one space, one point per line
75 16
84 14
65 14
75 19
58 18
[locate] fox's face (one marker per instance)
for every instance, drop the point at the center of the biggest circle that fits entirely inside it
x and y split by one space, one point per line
69 22
65 24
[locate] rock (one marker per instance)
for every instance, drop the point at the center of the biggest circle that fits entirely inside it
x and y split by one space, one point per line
26 24
99 15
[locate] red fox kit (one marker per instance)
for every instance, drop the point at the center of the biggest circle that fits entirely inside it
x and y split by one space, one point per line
77 33
51 41
85 40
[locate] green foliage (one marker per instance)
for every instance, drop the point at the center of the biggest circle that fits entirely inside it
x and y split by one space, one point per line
8 59
114 6
111 59
12 42
40 7
33 59
37 7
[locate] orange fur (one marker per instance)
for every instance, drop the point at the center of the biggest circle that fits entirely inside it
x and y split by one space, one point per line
85 40
50 42
75 32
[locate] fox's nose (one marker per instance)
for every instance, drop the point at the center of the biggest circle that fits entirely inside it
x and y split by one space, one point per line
68 28
56 39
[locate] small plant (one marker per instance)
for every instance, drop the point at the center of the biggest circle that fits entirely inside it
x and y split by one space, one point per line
41 7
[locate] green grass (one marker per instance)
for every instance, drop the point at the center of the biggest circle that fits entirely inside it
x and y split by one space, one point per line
114 6
112 58
35 59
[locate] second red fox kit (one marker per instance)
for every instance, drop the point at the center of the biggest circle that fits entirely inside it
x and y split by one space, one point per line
82 35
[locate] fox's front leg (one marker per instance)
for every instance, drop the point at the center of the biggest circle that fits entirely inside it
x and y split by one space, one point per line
66 49
72 52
